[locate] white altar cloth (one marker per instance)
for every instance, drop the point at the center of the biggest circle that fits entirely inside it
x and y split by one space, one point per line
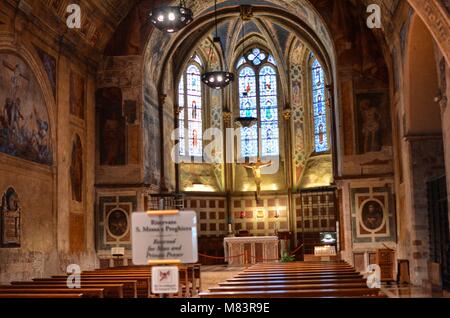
251 250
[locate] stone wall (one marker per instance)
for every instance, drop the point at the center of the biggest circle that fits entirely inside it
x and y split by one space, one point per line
427 163
56 196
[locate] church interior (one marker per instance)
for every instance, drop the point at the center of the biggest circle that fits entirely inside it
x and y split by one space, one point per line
310 137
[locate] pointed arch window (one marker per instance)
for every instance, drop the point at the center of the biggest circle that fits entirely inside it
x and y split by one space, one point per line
258 98
321 143
190 107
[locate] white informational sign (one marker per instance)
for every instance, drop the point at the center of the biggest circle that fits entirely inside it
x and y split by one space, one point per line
165 280
165 237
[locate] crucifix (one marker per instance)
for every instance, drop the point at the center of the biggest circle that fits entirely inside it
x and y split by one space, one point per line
256 169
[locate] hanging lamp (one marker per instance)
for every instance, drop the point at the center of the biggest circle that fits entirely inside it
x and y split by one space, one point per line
217 79
245 122
171 19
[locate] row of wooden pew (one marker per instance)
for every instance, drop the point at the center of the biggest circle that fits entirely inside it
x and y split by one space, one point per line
117 282
292 280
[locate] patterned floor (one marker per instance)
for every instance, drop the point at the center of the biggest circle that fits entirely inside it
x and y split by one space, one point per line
213 275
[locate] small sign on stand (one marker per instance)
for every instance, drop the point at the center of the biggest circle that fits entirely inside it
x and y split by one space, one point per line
165 280
164 238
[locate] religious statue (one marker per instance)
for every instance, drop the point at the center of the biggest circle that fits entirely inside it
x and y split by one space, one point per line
256 168
10 218
371 126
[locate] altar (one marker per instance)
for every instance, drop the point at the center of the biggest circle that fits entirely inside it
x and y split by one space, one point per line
251 250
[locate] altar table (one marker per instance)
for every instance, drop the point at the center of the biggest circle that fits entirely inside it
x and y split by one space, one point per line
251 250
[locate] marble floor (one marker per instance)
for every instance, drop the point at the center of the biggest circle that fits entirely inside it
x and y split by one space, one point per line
408 291
213 275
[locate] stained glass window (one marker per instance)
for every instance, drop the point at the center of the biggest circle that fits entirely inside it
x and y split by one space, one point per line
269 111
248 108
258 98
190 116
181 105
319 108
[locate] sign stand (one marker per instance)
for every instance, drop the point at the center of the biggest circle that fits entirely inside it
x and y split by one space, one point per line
164 240
165 262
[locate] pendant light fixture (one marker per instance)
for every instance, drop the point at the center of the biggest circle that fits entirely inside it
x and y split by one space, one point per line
171 19
245 122
217 79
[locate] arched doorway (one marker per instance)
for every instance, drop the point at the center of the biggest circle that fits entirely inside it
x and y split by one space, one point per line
426 167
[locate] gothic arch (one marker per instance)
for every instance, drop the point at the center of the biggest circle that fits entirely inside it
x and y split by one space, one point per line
422 112
436 19
9 46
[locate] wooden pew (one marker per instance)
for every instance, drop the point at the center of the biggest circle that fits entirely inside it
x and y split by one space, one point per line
142 282
295 277
129 285
109 290
286 287
40 296
354 292
86 292
291 282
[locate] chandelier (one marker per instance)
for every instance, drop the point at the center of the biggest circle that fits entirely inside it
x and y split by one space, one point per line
217 79
171 19
245 122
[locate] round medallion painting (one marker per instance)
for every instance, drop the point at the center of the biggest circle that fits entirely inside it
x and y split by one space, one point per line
117 223
372 215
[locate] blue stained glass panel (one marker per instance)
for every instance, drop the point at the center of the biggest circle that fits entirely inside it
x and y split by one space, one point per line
193 109
268 81
321 143
248 108
269 111
249 142
193 81
247 83
267 130
319 108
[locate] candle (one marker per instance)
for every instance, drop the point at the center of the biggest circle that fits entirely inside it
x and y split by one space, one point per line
230 228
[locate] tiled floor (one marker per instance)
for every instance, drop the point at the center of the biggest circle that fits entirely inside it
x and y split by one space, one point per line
213 275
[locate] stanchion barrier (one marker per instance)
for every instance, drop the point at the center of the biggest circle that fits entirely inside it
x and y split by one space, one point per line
219 257
236 256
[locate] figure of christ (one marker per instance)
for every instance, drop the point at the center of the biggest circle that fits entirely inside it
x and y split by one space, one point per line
256 168
111 140
371 125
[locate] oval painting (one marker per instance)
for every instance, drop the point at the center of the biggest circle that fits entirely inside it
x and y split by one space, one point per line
118 223
372 215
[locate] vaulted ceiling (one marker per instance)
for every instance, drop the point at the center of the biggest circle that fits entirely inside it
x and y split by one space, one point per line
109 24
